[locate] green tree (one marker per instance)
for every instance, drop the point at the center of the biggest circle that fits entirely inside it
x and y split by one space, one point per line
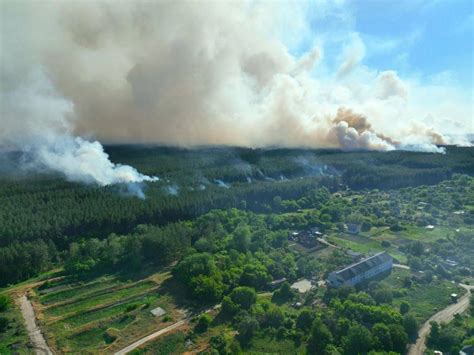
203 323
383 296
194 265
4 302
399 337
206 288
3 324
284 293
411 326
247 326
357 340
320 338
404 307
305 319
254 275
382 339
243 296
221 343
242 238
273 317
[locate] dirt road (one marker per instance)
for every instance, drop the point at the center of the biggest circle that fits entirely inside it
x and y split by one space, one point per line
34 332
150 337
444 315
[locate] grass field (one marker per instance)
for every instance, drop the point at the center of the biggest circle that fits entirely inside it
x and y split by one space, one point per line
423 235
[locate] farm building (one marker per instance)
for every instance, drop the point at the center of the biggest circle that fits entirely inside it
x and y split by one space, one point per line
361 271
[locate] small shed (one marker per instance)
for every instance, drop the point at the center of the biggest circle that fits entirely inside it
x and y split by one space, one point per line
158 312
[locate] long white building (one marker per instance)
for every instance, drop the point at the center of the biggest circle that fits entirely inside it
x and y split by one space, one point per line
362 271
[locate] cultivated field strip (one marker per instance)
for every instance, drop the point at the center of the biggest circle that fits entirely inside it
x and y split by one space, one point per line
104 313
74 291
102 298
92 315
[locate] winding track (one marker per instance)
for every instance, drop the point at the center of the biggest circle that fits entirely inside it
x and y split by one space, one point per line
150 337
34 332
445 315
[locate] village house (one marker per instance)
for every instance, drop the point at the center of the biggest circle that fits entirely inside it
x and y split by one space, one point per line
273 285
353 228
362 271
307 238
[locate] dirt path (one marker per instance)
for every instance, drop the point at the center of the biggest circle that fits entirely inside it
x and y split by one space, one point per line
34 332
150 337
168 329
444 315
325 242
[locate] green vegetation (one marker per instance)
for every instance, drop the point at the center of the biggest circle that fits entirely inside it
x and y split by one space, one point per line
96 317
453 336
120 257
40 215
424 298
168 345
13 335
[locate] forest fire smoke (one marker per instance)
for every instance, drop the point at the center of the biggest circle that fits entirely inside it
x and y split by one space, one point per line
130 72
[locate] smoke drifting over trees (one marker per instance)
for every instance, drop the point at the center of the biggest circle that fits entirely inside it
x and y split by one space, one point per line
186 74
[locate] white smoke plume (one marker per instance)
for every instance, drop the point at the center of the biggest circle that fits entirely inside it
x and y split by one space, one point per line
189 73
45 134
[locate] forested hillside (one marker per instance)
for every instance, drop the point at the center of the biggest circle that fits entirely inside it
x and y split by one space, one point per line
41 214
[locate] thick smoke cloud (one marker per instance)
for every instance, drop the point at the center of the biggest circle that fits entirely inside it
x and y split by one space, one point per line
185 73
45 136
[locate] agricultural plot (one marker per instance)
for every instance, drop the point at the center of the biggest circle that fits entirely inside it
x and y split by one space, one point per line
424 299
169 344
103 314
267 345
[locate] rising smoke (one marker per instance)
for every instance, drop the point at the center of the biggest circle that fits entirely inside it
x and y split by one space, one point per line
45 135
184 74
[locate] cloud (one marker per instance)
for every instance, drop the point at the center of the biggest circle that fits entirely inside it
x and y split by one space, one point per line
353 54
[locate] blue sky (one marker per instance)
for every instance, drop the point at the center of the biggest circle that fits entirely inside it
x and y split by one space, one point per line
427 39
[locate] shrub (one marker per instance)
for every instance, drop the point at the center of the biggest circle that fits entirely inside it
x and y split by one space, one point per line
203 323
4 303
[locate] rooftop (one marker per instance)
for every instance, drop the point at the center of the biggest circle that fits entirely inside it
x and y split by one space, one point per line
364 265
158 312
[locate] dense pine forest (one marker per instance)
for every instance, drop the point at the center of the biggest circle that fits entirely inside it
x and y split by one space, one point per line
42 214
